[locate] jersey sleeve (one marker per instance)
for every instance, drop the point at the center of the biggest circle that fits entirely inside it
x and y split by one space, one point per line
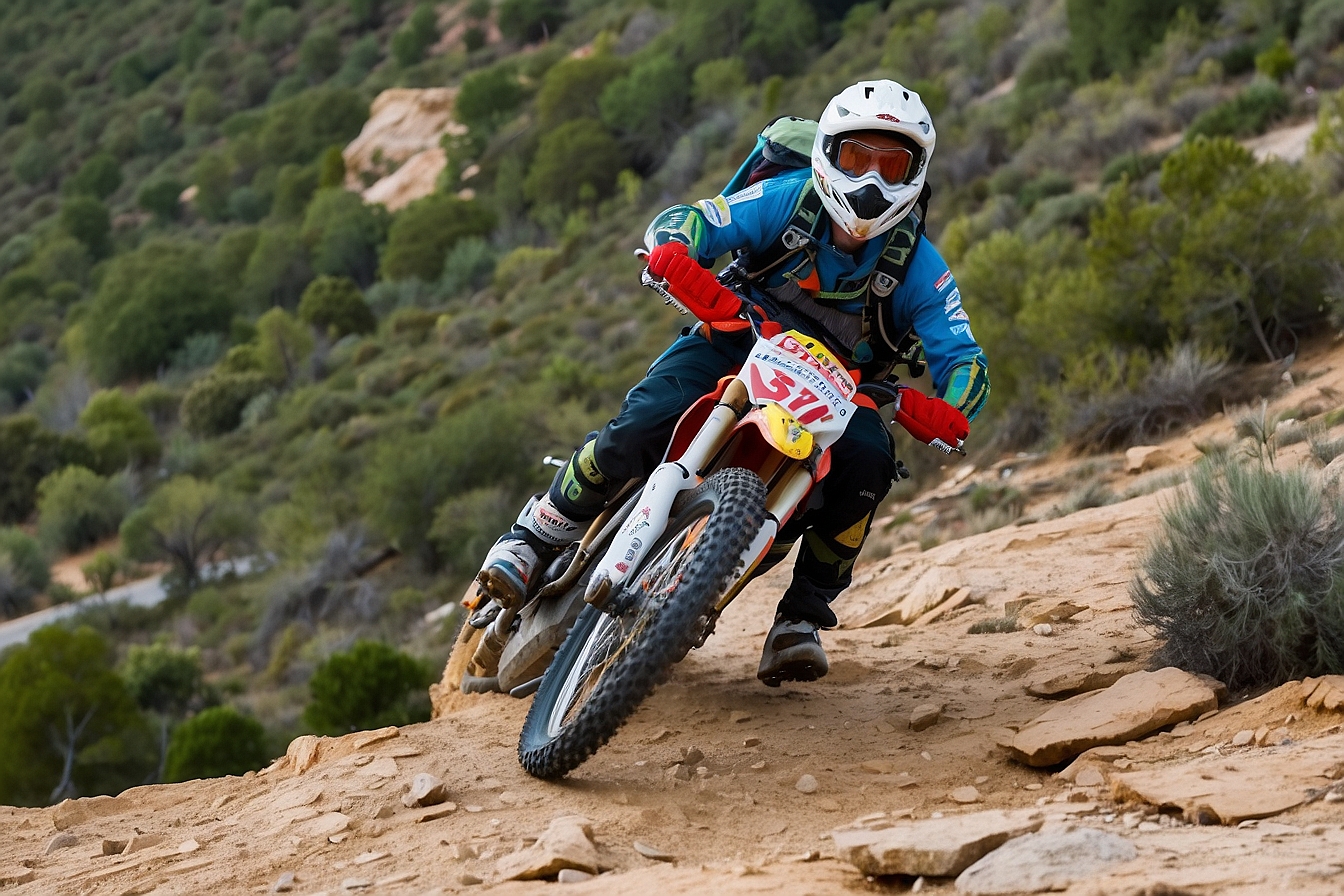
750 219
930 301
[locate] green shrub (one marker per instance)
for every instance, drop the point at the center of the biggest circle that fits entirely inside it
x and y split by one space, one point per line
31 452
214 404
162 679
320 52
423 232
23 571
283 346
213 183
530 20
1134 165
213 743
1277 61
368 686
277 28
278 270
1045 185
1245 579
571 88
1248 113
575 163
203 107
492 96
22 366
118 431
148 303
77 508
416 36
1115 35
644 107
344 234
86 219
1239 60
34 162
186 522
154 132
335 305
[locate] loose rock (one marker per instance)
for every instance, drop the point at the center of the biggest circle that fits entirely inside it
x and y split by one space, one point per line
965 795
1137 704
187 846
63 840
1142 458
114 847
937 847
356 883
692 756
806 784
426 790
924 716
284 884
653 852
1089 777
16 875
1242 738
573 876
1045 861
566 843
1043 629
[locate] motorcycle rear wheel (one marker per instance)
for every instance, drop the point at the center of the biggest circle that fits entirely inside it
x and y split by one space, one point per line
613 660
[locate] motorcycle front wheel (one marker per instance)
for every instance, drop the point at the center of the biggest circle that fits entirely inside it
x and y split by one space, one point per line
613 659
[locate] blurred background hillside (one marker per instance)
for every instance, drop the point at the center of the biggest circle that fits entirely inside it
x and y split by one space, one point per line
319 283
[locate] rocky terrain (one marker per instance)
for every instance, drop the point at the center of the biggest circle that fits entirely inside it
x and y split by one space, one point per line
1048 758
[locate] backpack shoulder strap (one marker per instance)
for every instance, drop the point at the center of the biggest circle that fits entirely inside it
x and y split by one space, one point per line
880 326
800 234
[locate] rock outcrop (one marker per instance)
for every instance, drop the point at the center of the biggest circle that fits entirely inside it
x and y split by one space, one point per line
397 158
1045 861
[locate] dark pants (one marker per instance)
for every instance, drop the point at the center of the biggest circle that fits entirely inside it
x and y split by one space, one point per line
834 525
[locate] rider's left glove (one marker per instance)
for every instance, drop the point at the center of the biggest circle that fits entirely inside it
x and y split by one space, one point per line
931 420
697 287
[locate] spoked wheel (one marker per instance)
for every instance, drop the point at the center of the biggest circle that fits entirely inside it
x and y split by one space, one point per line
613 659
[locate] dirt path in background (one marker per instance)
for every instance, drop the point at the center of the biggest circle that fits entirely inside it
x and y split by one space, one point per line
740 826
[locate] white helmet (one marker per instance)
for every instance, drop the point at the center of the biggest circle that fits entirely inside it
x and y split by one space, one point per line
865 205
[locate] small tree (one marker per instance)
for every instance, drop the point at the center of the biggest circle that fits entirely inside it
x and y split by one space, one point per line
118 431
530 20
76 508
186 522
164 682
66 712
335 305
368 686
161 198
101 572
577 161
215 742
283 346
30 452
23 571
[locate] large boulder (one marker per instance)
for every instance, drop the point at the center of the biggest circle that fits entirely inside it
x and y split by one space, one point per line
1136 705
934 847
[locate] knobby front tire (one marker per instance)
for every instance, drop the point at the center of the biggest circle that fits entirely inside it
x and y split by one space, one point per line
610 663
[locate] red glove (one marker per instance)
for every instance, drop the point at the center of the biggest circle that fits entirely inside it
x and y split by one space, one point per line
931 420
697 287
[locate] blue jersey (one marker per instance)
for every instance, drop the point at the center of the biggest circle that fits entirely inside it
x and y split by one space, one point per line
927 300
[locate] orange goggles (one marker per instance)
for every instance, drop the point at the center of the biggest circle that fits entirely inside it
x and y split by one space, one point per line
893 164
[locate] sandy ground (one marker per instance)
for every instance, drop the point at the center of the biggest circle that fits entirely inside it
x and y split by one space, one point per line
740 826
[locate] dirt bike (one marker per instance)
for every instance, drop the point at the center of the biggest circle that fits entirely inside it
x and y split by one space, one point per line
652 574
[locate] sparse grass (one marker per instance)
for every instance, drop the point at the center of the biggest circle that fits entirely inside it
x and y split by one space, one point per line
1245 579
1154 483
997 626
1325 450
1176 392
1334 418
1092 494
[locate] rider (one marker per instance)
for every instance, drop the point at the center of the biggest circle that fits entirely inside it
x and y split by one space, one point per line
869 160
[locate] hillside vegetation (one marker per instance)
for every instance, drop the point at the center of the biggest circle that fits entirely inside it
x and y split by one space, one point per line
209 345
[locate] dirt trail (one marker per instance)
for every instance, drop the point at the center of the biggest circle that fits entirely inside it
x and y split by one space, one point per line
739 825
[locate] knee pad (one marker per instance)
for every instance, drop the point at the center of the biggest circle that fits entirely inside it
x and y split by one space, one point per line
579 490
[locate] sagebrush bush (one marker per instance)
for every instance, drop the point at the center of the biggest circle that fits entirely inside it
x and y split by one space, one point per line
1245 579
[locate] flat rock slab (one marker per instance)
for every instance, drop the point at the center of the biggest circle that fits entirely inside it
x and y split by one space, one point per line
1072 683
1138 704
1231 789
1325 693
1044 861
934 847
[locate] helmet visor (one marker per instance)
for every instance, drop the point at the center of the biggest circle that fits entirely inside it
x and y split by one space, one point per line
895 165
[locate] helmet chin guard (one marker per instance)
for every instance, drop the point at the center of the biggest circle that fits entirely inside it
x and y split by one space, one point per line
865 206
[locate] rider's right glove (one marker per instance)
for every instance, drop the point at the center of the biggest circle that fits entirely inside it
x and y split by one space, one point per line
697 287
931 420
